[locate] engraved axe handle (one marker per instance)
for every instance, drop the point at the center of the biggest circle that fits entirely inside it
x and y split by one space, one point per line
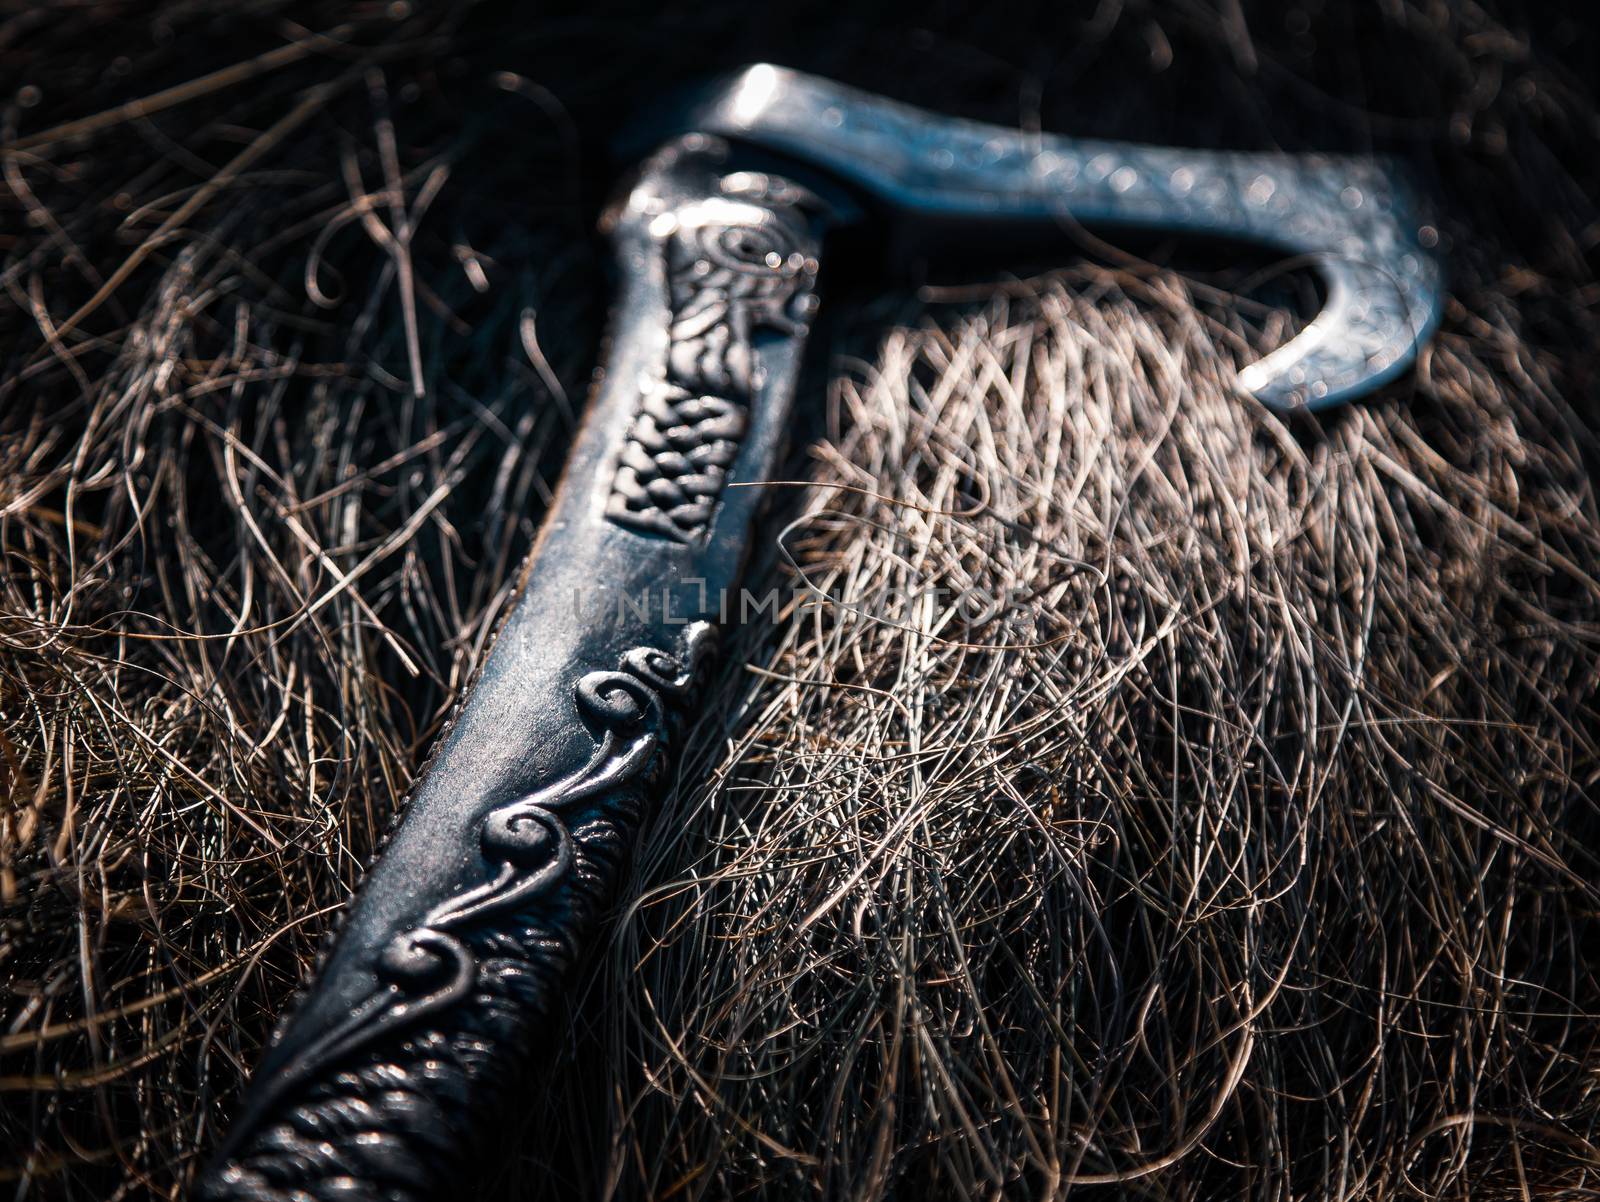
444 980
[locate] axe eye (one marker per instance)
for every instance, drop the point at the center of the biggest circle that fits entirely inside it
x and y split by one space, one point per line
1353 220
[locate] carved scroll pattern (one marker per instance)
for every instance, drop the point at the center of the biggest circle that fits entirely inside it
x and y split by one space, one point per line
737 265
333 1116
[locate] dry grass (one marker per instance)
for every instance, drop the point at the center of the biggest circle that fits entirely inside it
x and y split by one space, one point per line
1251 856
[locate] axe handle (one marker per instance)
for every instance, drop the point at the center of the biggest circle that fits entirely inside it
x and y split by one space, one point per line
444 985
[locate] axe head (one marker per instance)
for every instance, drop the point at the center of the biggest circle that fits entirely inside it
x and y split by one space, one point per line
1353 220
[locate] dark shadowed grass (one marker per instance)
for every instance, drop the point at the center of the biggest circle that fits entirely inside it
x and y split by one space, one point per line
1250 852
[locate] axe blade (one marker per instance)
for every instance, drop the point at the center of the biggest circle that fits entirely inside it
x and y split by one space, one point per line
1354 220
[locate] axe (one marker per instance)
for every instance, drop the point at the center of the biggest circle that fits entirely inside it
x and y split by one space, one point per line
446 976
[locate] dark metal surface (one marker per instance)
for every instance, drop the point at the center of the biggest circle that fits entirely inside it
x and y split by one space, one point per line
1353 220
441 984
441 987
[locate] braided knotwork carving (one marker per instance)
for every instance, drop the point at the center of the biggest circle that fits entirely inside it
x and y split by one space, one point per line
738 266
